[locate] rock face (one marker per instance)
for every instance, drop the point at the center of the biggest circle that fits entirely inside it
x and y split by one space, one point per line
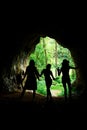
15 43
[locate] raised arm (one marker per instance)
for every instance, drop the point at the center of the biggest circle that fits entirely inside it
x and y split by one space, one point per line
71 67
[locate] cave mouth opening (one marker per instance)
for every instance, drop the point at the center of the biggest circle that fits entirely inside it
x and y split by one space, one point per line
47 50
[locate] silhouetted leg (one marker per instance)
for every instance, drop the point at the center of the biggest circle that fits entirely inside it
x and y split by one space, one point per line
48 94
22 94
34 93
65 91
70 92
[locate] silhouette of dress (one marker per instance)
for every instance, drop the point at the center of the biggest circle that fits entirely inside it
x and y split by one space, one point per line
31 79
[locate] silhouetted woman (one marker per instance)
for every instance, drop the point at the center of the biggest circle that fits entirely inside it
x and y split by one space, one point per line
48 79
32 76
65 76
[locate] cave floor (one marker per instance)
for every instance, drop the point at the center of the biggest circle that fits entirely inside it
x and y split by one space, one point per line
25 109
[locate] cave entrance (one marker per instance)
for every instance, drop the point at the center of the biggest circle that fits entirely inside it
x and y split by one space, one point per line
48 50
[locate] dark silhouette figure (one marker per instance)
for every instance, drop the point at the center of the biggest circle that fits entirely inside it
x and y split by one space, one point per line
32 76
65 77
48 79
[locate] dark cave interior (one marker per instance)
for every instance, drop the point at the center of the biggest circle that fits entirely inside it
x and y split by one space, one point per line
25 41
